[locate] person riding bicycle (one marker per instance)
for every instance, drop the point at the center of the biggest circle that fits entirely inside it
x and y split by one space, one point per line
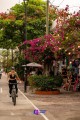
0 74
12 78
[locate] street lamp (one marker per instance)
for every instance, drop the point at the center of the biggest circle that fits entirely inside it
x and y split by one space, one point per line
25 78
25 38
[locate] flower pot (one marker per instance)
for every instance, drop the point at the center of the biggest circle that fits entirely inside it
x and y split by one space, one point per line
55 92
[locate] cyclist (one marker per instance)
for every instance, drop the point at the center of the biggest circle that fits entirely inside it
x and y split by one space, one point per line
13 77
0 74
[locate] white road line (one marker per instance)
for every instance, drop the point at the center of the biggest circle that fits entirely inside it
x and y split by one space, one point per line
35 106
12 113
1 90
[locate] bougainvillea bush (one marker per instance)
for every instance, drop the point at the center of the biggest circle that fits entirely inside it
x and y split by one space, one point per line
68 30
42 49
65 36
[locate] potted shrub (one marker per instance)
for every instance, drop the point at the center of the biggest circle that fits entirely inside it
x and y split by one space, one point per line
45 84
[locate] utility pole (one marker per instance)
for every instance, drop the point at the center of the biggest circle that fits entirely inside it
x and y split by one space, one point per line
47 17
25 18
47 29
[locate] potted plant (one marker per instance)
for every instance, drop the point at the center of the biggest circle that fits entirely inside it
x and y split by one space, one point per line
45 84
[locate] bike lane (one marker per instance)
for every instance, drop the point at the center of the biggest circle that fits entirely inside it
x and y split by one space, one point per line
24 109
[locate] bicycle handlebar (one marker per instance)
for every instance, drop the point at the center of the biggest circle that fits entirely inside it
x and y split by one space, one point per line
14 83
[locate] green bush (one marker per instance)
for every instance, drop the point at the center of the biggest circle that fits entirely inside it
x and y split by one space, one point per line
58 79
45 82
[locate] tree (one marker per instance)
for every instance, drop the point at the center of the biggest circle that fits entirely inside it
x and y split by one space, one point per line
36 17
68 31
12 23
10 35
42 50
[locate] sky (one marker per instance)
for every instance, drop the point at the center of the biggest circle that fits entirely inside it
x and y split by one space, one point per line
5 5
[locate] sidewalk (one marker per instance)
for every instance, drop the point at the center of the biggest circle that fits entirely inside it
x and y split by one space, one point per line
65 106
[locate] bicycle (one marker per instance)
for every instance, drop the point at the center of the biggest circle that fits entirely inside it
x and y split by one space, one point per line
13 94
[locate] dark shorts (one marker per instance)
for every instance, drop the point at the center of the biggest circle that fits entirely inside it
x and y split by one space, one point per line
11 85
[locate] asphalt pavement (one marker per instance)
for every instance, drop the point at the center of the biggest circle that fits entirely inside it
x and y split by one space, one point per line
24 109
65 106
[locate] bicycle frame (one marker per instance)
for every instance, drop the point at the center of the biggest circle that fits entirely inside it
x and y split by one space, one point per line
13 94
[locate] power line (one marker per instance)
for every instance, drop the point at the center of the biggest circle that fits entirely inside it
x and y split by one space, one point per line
74 6
61 3
54 1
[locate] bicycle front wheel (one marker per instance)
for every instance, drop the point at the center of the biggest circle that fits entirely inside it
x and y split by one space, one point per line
14 100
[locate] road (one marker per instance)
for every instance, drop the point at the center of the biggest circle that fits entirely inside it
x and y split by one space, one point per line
65 106
24 109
